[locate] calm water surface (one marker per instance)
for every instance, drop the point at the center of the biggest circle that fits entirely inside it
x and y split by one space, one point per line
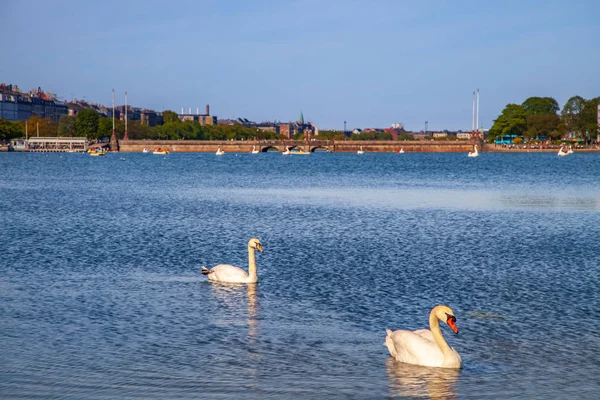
101 296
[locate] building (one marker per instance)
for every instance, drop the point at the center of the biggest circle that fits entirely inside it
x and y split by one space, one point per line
202 119
18 106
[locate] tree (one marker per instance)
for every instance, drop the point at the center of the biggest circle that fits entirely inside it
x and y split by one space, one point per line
104 127
542 125
87 123
170 116
571 114
10 130
511 121
66 126
45 126
540 105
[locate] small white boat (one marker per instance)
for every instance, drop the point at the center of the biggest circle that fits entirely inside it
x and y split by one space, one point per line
474 153
361 151
562 152
254 151
286 152
219 151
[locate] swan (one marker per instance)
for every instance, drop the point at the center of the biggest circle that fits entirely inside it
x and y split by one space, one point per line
361 151
426 347
219 151
570 151
401 150
562 153
254 151
474 153
226 273
286 152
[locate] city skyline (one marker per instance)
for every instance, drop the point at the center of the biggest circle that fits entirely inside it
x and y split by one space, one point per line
369 64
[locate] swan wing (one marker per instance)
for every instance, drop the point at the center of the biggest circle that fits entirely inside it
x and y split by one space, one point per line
412 348
228 274
425 334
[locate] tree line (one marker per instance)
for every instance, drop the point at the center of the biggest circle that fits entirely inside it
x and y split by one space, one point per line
88 123
541 117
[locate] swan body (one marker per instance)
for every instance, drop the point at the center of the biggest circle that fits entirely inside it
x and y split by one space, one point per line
426 347
226 273
361 151
254 151
562 153
401 150
286 152
474 153
219 151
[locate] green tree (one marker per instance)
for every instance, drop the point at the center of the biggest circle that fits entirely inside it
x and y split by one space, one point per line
511 121
540 105
542 125
87 123
104 127
66 126
10 130
170 116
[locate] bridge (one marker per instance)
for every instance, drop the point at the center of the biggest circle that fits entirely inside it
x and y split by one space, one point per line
333 146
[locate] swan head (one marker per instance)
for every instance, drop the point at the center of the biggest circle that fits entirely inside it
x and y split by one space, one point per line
445 313
255 244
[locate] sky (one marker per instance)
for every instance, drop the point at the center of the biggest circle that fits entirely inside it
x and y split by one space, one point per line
370 63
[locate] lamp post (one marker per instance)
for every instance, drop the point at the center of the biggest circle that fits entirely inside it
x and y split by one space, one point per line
344 127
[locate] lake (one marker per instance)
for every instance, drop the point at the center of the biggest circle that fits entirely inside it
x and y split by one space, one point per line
101 294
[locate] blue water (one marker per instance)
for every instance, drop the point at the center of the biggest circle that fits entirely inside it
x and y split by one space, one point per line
101 296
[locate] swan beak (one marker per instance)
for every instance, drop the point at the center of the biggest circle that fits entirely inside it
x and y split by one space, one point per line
259 247
452 324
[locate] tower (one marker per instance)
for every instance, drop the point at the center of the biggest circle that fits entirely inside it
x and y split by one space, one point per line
301 120
126 136
114 143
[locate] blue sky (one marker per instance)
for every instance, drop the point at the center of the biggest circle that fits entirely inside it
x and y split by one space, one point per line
370 63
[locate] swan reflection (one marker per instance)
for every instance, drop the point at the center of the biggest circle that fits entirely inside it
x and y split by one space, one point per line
416 381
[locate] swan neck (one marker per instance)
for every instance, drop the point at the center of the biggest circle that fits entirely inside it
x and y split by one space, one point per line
434 326
251 263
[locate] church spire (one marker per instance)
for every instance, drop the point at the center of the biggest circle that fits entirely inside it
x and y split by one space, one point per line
301 118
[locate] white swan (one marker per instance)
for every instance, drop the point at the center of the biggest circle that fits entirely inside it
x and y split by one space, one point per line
401 150
226 273
286 152
474 153
254 151
426 347
219 151
361 151
562 153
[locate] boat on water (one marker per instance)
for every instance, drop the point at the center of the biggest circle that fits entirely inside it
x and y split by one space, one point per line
219 151
474 153
254 150
360 151
97 152
562 152
299 152
161 151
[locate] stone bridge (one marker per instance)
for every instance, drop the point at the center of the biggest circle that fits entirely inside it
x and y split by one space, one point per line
345 146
